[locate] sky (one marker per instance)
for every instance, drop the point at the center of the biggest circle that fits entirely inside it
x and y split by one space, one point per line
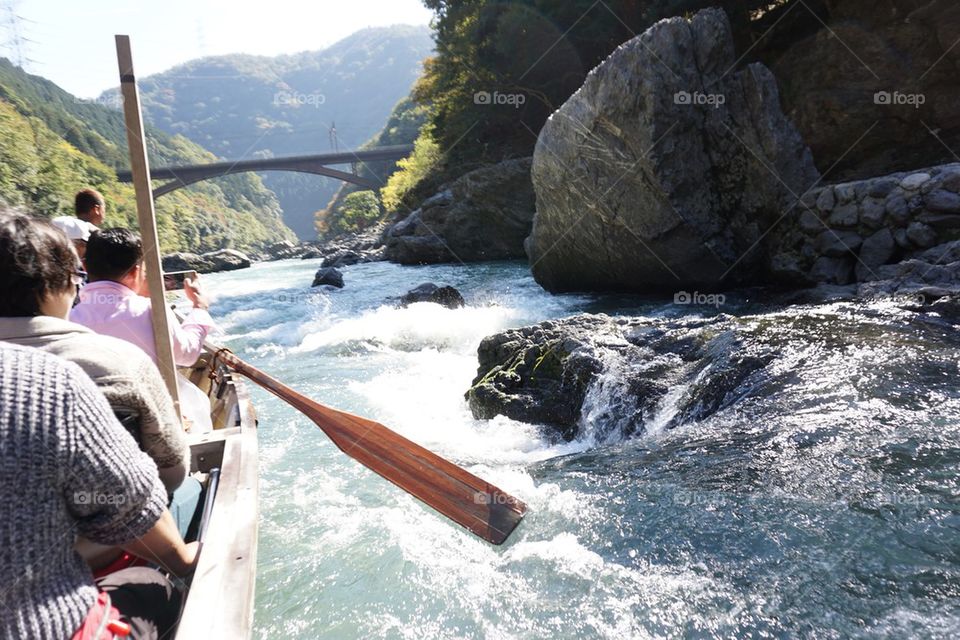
71 41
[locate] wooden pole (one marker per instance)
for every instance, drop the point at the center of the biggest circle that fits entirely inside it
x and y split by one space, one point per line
140 169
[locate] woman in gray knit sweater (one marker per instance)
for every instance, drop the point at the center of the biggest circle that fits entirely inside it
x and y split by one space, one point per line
67 467
37 264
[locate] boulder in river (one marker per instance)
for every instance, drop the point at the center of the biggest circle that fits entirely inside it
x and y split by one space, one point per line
428 292
666 169
185 261
222 260
227 259
342 258
329 276
484 215
613 371
608 377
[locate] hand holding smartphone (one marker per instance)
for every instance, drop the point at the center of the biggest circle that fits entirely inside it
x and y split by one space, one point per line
173 281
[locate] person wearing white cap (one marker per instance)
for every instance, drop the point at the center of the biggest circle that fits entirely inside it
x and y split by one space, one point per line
90 208
77 230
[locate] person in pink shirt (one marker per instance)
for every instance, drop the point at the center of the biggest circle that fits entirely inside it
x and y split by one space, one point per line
114 303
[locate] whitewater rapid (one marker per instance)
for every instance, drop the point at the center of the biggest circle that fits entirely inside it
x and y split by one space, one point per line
786 515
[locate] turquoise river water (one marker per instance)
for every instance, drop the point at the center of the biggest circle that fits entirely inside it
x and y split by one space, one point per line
824 504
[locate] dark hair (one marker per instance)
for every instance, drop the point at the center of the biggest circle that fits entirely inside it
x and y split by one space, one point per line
36 259
87 199
112 253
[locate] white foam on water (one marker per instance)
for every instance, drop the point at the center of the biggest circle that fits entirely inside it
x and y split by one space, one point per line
420 325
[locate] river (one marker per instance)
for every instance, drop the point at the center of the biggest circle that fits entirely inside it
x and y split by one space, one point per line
825 506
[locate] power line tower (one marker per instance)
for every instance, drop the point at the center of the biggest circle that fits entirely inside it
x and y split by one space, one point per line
334 140
15 43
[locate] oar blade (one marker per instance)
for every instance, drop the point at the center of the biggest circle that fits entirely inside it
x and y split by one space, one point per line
466 499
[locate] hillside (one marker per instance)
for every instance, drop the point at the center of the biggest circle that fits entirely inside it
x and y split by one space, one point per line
52 144
402 127
242 106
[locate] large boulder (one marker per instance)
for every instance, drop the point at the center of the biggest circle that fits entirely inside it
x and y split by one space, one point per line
185 261
446 296
602 378
667 169
483 215
615 372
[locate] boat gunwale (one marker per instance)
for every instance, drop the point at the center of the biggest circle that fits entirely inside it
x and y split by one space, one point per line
220 600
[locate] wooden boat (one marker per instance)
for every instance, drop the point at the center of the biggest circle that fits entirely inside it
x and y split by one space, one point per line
220 598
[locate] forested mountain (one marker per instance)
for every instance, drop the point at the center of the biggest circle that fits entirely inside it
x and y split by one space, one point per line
242 106
52 144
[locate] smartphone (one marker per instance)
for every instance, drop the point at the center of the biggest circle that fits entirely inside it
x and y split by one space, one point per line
173 281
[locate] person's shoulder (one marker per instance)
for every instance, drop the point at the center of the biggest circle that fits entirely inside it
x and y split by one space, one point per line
33 367
110 352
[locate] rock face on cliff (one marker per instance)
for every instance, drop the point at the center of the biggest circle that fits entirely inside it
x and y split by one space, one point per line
871 83
666 169
483 215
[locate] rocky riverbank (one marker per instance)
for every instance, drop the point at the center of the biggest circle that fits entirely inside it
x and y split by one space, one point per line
484 215
366 246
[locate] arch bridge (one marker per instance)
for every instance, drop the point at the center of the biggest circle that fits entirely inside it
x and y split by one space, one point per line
321 165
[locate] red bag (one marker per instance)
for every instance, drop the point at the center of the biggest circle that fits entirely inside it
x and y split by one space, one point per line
102 623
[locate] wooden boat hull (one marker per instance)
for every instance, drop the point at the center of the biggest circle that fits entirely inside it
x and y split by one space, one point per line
220 600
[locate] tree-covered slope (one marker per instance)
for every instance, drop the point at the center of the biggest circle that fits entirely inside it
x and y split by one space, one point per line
52 144
242 106
341 215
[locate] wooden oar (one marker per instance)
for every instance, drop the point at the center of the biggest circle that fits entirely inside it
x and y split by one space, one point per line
461 496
